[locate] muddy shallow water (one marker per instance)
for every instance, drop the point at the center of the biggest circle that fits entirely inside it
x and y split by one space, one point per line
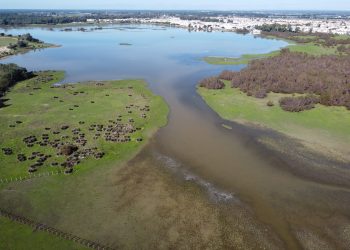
298 198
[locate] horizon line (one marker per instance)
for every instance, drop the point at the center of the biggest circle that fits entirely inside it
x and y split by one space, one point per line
323 10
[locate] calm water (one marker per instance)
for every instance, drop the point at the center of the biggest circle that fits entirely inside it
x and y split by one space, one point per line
230 164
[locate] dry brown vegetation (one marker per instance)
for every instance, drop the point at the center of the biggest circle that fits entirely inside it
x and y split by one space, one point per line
212 83
290 72
300 103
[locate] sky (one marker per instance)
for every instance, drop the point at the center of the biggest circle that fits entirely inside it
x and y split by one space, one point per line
179 4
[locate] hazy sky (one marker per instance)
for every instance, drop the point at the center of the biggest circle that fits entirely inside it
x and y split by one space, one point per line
179 4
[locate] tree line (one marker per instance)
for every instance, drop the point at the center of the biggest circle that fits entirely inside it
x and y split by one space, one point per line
275 27
35 18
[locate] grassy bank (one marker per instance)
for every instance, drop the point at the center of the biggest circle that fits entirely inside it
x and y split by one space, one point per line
326 126
244 59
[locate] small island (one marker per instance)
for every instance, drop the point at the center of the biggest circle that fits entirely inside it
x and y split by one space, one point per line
125 44
12 45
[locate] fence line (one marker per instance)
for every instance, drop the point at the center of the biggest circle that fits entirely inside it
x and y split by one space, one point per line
42 227
30 176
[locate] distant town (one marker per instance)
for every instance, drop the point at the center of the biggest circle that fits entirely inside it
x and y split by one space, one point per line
234 23
244 21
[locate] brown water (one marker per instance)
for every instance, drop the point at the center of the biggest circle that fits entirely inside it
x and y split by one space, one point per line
235 162
230 165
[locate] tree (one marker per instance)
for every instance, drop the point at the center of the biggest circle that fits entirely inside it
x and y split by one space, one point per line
10 74
22 44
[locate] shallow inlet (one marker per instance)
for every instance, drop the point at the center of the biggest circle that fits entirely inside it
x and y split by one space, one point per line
232 160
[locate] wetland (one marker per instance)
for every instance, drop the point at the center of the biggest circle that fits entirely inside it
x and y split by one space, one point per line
195 183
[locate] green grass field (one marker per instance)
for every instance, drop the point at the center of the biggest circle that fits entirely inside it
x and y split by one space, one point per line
327 125
17 236
6 41
244 59
313 49
342 37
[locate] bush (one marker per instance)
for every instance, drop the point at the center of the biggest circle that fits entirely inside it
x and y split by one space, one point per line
28 37
270 104
22 44
297 104
261 93
12 46
243 31
68 149
212 83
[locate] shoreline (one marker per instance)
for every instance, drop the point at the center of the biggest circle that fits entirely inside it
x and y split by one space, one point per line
304 148
47 46
303 161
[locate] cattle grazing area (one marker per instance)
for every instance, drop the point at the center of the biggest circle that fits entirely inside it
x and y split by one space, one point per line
48 128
